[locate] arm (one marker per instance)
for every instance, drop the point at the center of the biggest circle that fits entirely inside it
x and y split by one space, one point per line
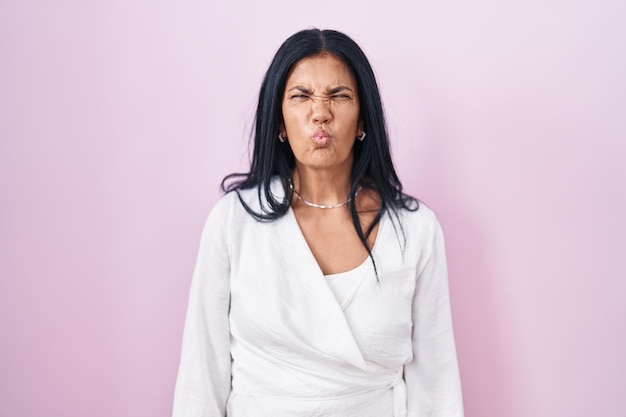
432 377
203 382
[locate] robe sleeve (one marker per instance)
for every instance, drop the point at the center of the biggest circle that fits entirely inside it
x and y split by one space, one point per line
432 377
203 382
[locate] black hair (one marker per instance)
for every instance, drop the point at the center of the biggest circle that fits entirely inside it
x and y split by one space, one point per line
372 164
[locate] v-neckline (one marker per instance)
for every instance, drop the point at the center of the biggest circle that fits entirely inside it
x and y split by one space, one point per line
311 256
345 347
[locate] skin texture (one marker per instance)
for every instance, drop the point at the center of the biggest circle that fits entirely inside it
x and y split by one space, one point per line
321 94
321 121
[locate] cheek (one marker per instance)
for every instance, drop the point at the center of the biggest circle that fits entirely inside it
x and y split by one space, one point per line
292 120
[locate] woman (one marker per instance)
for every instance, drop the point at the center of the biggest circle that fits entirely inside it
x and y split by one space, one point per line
320 288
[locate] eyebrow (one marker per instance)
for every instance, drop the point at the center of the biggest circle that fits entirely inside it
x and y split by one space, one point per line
339 89
300 88
334 90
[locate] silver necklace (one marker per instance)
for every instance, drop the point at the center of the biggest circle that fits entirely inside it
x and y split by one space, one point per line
322 206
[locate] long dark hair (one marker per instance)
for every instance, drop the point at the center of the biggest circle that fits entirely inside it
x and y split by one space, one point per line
372 165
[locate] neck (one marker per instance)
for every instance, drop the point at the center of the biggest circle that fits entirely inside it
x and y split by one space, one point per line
327 187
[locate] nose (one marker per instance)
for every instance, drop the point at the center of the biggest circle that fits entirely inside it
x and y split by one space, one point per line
320 111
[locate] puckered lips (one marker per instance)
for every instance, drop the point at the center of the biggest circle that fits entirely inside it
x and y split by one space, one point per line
321 138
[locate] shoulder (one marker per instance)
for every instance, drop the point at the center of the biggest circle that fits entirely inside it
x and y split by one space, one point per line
223 208
421 226
232 205
256 198
219 217
424 216
227 219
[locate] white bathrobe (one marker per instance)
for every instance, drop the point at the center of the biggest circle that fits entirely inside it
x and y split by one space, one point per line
266 337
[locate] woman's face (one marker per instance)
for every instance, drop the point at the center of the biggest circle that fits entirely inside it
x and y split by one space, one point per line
321 112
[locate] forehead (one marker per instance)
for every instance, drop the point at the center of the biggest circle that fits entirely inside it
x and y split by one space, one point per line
324 70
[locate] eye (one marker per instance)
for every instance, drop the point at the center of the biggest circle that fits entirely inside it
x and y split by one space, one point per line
341 97
299 97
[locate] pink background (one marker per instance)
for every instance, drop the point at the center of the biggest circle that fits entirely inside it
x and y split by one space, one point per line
118 119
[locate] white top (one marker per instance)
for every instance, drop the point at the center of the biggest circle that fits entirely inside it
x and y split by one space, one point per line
345 285
265 335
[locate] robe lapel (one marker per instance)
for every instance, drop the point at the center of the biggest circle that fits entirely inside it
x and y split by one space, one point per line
314 314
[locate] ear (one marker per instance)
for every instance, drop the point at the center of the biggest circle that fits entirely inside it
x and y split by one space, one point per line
359 130
281 129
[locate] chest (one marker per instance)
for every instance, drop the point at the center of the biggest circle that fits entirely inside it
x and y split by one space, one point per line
333 240
279 296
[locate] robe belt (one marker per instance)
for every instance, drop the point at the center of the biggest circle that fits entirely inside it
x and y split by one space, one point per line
399 395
